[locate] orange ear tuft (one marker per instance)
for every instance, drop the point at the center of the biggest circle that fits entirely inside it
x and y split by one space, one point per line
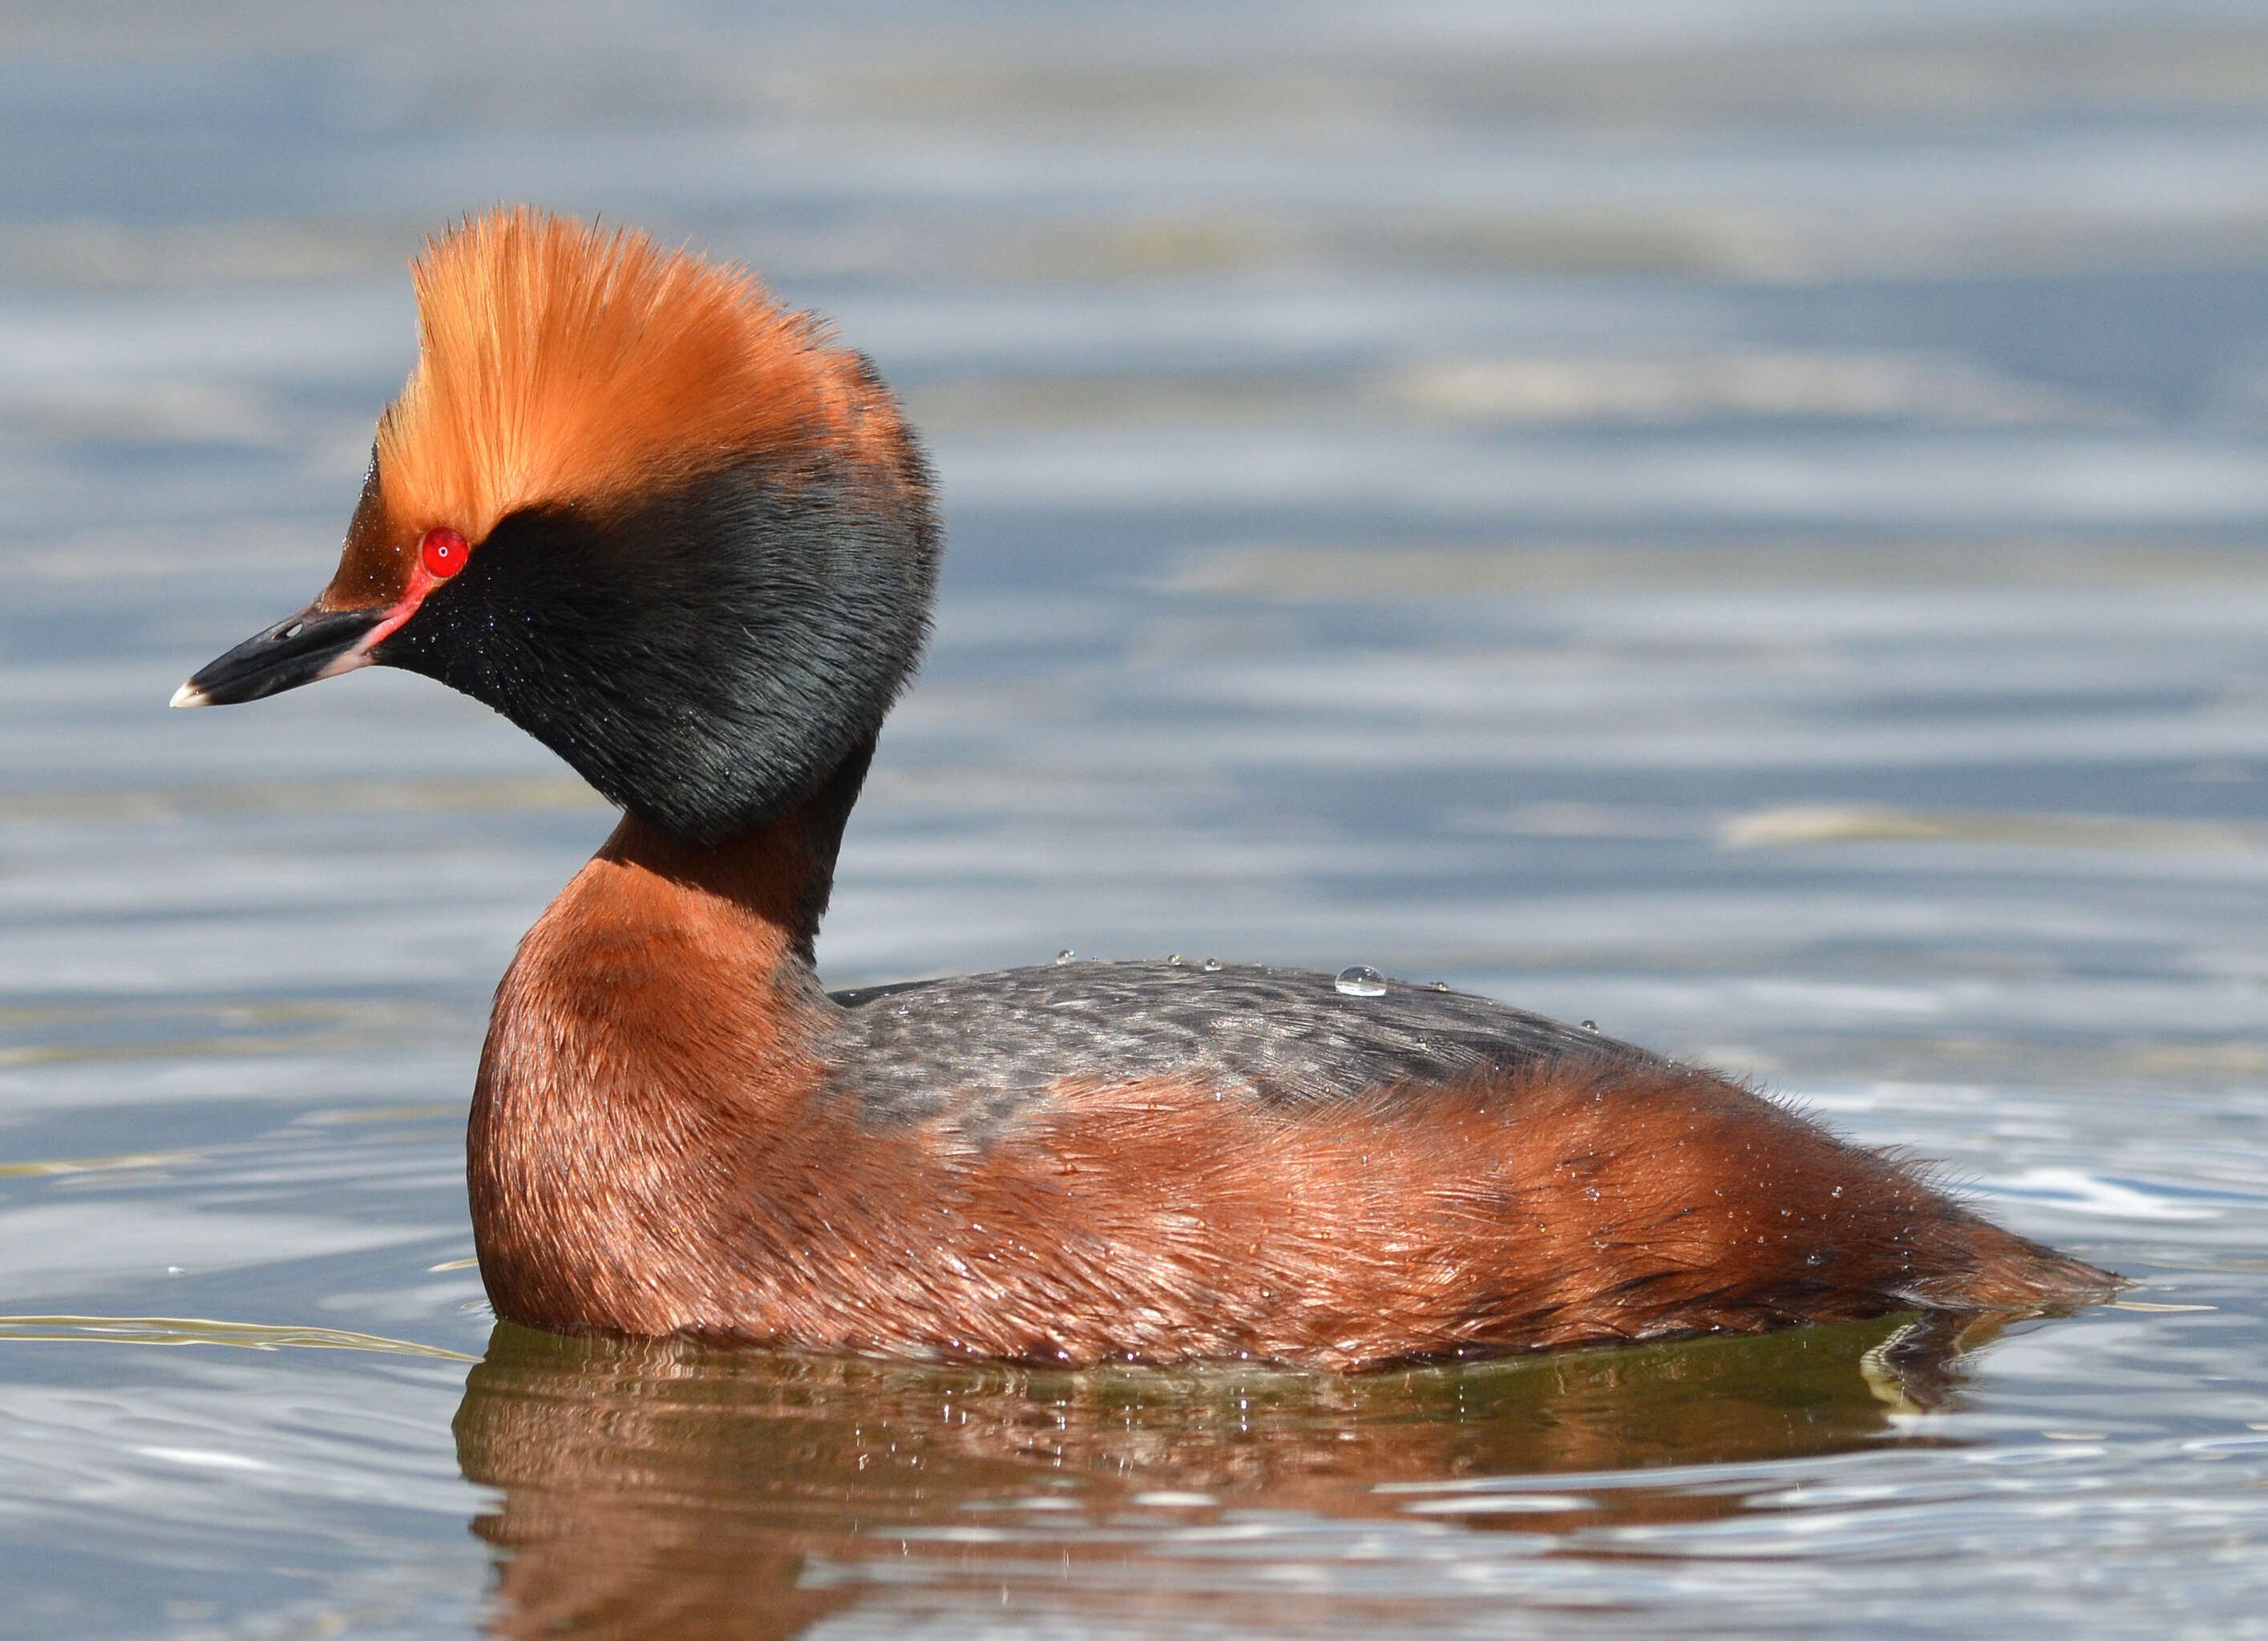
557 362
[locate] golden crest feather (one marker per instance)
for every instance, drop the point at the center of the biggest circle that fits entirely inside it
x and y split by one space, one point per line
561 363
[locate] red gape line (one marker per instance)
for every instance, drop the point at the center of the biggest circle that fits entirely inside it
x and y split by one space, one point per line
441 555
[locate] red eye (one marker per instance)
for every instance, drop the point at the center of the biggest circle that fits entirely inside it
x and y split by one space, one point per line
444 552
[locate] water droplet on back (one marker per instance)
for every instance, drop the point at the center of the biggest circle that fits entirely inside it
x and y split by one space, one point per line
1212 965
1360 980
1174 959
1590 1024
1065 956
1437 985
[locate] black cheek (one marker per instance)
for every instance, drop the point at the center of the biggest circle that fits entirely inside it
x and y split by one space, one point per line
707 659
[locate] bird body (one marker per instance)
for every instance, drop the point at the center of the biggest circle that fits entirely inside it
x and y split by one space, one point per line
682 539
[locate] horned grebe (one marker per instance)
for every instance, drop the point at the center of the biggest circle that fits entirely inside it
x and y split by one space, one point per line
675 534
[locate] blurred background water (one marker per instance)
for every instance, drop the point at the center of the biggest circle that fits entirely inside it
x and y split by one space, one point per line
1739 520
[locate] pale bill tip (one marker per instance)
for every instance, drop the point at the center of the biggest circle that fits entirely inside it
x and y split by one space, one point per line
189 695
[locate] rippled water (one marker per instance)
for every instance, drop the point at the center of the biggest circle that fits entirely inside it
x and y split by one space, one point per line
1738 522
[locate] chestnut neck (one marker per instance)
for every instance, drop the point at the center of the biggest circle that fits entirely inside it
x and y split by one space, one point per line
780 873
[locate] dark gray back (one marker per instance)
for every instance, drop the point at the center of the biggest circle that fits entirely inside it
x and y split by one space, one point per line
982 1046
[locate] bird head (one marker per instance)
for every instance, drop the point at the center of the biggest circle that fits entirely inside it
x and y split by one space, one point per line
661 522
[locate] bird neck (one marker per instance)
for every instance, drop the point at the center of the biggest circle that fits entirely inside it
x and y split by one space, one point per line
659 1029
776 878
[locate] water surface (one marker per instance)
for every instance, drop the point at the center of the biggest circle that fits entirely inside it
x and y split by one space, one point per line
1741 523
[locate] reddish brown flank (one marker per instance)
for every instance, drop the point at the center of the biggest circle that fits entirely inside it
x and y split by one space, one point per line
697 561
717 1191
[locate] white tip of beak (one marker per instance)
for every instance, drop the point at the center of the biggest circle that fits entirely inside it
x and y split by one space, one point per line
189 695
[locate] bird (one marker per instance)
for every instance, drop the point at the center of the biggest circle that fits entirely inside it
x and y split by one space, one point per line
688 541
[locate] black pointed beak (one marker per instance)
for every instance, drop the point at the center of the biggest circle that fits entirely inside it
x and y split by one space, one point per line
298 650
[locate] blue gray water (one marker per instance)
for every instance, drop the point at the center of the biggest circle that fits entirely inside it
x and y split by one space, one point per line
1742 522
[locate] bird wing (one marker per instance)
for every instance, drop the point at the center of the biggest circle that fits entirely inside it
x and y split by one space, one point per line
983 1046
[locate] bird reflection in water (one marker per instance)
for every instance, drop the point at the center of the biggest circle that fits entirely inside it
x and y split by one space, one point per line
660 1488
